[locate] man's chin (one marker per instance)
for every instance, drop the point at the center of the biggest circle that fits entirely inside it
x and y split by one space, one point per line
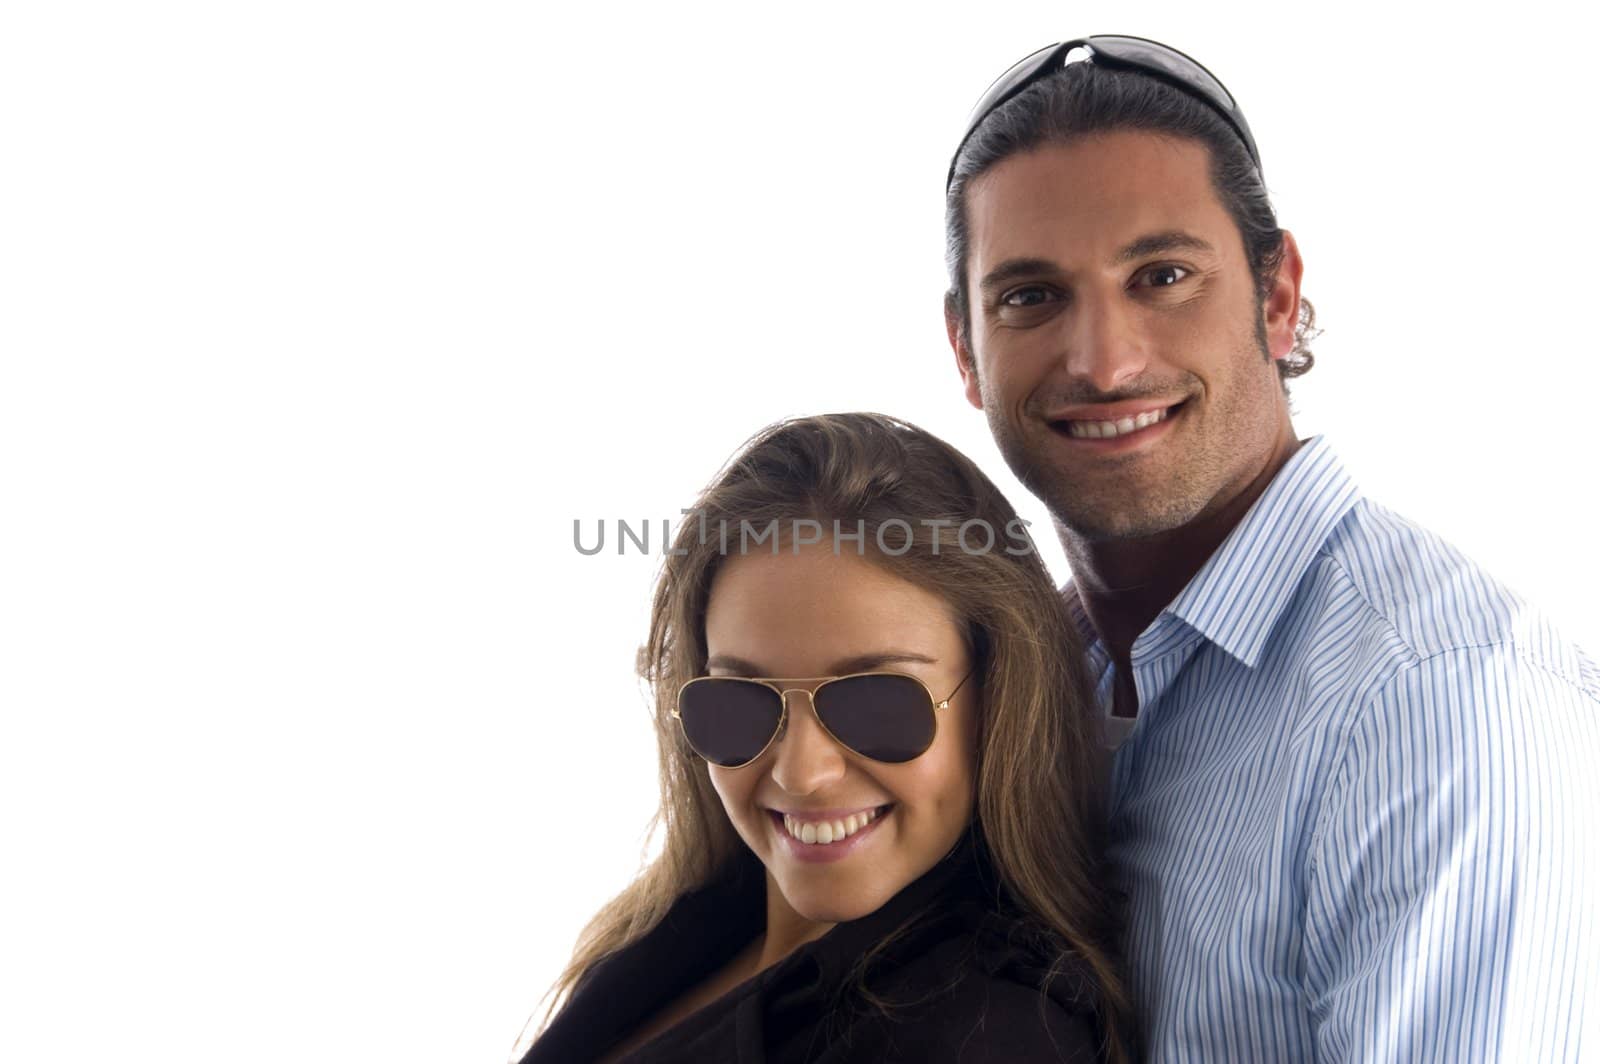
1113 520
1122 532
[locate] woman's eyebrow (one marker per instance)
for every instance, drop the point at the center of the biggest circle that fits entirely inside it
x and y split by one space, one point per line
729 663
859 663
868 662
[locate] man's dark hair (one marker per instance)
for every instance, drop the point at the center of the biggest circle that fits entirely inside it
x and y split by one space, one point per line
1084 99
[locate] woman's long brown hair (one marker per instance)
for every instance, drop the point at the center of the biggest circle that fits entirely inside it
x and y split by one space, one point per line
1040 751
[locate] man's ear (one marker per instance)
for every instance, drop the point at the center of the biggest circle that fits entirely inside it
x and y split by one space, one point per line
965 364
1282 306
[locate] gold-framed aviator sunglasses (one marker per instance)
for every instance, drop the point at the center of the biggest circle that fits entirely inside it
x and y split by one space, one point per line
884 716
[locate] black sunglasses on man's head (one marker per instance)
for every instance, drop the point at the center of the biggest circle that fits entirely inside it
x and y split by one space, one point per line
1133 53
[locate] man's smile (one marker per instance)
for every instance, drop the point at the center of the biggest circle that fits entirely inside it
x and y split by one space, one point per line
1122 426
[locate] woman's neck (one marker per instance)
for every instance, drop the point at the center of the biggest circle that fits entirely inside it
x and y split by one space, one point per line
786 930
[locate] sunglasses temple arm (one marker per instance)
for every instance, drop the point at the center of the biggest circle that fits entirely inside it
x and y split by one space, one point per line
959 686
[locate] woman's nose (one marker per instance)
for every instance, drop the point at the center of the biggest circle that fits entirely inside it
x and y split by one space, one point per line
807 758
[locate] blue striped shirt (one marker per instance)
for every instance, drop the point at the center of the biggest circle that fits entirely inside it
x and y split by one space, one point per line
1357 814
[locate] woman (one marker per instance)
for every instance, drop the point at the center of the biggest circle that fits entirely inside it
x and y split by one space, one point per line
879 776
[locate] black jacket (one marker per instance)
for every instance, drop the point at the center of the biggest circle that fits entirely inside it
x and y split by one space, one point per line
964 987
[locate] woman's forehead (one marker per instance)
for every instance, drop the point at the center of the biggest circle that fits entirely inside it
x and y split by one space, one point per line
815 609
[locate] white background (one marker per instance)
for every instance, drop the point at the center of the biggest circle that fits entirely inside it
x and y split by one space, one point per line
322 322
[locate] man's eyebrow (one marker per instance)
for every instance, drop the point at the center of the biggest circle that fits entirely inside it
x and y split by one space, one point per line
1014 268
860 663
1156 243
1149 244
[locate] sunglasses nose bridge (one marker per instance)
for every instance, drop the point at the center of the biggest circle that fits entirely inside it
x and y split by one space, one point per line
812 758
784 693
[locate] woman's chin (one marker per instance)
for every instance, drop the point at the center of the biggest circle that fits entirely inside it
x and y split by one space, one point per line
838 901
830 909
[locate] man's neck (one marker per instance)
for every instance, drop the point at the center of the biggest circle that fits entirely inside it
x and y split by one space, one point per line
1125 584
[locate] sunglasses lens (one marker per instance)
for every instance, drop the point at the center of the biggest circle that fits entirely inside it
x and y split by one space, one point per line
1021 72
728 721
886 718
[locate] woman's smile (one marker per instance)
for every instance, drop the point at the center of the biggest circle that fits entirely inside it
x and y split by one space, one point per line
828 838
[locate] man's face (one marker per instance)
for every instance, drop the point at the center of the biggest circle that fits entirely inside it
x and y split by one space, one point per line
1116 340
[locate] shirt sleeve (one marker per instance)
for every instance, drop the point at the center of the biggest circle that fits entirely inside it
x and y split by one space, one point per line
1451 908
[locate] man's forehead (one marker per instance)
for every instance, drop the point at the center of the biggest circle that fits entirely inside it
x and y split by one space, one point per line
1092 196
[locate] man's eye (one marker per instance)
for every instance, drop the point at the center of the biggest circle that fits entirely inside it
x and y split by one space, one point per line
1162 276
1031 296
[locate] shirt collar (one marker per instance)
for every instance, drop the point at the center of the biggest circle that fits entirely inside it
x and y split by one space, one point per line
951 890
703 929
1242 590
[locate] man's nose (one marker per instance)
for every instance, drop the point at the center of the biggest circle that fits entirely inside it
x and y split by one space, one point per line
807 758
1102 343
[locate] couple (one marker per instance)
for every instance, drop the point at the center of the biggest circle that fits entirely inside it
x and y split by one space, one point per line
1347 813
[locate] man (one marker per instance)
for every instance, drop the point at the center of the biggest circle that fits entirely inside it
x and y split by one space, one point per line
1354 797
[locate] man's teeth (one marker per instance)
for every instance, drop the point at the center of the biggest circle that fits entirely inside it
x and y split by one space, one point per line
822 832
1105 430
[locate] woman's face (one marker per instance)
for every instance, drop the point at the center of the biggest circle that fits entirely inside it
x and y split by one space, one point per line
813 615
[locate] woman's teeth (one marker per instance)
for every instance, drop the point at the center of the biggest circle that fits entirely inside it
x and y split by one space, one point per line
822 832
1105 430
